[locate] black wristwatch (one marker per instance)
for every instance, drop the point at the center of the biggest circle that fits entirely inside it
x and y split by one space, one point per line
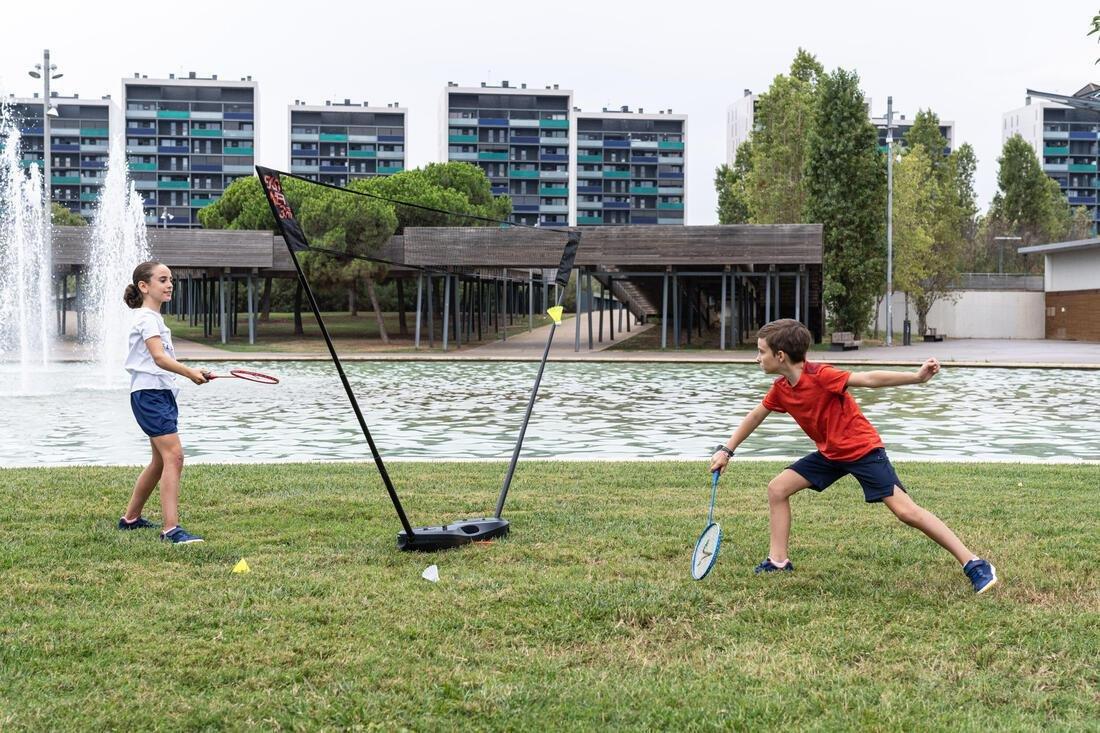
725 450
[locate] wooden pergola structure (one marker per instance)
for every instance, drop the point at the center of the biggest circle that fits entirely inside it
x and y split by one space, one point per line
735 277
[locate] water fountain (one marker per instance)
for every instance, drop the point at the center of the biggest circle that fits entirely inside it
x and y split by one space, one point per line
25 261
118 242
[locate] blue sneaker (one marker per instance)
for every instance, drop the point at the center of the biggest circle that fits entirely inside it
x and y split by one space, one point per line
179 536
770 567
139 523
982 574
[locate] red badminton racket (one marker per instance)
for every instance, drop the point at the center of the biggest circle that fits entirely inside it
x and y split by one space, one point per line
246 374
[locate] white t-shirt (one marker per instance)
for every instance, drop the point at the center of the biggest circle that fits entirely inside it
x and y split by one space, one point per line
144 372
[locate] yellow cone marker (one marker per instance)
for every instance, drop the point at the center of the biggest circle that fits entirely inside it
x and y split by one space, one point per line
242 567
555 313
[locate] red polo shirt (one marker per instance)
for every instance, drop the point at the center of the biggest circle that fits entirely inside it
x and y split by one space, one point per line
821 405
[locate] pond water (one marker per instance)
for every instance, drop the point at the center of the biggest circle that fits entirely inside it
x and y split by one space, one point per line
472 410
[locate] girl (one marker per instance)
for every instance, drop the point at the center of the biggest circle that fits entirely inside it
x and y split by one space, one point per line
153 391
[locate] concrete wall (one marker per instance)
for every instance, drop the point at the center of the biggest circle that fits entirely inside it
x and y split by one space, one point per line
1073 270
1007 314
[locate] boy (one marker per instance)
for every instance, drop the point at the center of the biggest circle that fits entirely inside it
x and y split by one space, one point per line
816 396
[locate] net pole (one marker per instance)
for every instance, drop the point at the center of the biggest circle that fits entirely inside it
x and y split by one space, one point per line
562 279
298 238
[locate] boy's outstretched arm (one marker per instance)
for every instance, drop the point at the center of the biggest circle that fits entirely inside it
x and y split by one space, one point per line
878 378
749 423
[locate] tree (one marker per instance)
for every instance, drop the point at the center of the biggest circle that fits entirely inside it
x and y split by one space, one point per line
846 192
783 122
1080 224
733 198
244 206
1028 203
355 225
60 216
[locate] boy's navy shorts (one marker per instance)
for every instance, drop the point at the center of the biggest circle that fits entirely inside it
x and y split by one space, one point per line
155 411
873 471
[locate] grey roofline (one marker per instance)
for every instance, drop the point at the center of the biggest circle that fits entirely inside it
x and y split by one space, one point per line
1078 102
1060 246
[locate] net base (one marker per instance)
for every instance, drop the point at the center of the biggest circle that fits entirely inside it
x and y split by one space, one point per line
456 534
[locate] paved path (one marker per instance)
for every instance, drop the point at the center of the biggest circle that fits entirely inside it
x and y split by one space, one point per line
529 346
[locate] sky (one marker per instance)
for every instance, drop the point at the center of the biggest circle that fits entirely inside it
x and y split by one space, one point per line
967 61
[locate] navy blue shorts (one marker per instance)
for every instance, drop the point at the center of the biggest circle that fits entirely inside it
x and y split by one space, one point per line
873 471
155 411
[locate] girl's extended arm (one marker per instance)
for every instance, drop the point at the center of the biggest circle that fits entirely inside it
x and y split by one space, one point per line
167 363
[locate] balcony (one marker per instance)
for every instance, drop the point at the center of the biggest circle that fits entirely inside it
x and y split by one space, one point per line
590 174
491 155
141 114
172 114
1081 200
643 190
362 138
65 131
616 174
238 169
1055 135
554 124
643 144
251 134
553 209
667 221
554 158
523 123
173 185
616 143
492 122
672 160
589 158
389 169
670 191
616 205
297 137
94 149
199 132
330 168
462 156
589 219
174 149
590 143
1080 168
239 150
305 169
596 205
522 174
199 203
524 140
664 206
247 116
392 154
1082 135
365 154
554 191
89 196
1056 150
643 159
332 137
143 166
554 175
589 189
670 145
461 139
65 180
94 132
206 115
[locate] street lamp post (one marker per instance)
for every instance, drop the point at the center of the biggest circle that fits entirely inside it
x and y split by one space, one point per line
45 71
889 221
165 218
1001 256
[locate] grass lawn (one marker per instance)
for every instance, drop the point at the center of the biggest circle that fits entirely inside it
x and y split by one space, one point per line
585 618
351 334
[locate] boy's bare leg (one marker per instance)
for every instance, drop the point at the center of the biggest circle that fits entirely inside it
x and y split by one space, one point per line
907 511
171 455
780 490
143 487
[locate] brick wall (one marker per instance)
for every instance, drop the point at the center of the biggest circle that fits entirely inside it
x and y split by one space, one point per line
1074 314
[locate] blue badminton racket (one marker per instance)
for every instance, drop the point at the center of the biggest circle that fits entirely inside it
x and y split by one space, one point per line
706 547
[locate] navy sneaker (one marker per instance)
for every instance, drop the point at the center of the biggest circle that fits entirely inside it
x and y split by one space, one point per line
982 574
179 536
770 567
139 523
